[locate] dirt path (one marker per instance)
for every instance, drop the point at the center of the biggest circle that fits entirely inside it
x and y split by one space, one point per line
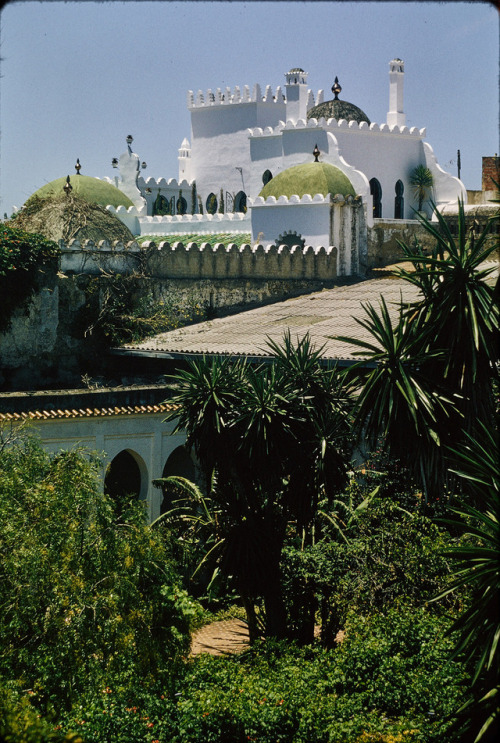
221 638
229 637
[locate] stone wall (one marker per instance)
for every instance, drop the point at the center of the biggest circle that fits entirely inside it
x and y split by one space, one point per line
55 337
383 246
164 260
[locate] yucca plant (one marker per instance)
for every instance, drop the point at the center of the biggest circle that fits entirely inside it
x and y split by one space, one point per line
458 312
478 567
398 404
274 438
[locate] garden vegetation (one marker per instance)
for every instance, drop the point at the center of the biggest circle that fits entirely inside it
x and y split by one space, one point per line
370 589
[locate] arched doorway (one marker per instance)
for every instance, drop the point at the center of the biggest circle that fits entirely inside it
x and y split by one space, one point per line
179 463
399 202
376 192
211 203
240 202
124 479
161 206
181 205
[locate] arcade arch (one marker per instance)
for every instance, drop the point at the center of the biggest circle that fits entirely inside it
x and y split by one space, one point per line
179 463
126 475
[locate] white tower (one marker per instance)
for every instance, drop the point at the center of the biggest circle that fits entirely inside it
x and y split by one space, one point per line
395 114
296 94
185 160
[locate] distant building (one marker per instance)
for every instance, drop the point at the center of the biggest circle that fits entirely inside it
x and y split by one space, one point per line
240 140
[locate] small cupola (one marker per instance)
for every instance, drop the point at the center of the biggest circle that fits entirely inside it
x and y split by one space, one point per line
296 76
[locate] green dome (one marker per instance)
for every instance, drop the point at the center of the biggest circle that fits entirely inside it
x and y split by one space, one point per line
90 189
311 178
338 110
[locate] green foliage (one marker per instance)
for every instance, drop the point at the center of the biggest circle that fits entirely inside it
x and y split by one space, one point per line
433 369
212 204
422 181
23 256
382 554
21 723
477 564
272 441
122 309
458 315
398 402
86 597
389 681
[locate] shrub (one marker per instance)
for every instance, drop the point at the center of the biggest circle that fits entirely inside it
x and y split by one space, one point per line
390 681
385 554
23 255
86 597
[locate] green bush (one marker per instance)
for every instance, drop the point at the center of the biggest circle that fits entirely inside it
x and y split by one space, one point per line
21 723
86 597
385 554
23 255
390 681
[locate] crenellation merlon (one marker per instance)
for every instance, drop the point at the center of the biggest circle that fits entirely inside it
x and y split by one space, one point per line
223 98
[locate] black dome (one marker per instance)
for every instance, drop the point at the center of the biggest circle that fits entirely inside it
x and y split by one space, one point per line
336 109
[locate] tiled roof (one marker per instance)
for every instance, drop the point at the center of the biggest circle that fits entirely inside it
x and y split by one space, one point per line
323 315
87 412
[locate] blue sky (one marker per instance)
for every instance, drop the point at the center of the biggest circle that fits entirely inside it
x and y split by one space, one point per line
78 77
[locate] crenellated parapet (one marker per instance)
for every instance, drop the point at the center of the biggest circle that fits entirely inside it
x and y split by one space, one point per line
334 124
173 183
305 199
198 261
232 96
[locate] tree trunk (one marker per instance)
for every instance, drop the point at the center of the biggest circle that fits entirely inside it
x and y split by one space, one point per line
253 630
276 625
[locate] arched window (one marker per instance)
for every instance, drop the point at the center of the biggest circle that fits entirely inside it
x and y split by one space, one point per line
376 192
399 202
123 479
181 205
179 463
266 177
211 203
161 206
240 202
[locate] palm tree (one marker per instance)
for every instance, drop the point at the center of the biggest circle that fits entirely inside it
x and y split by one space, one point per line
272 438
398 404
422 181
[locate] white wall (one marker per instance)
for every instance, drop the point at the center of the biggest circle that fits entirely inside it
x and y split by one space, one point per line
146 436
309 219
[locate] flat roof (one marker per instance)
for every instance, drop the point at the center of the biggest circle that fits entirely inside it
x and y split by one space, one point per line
322 314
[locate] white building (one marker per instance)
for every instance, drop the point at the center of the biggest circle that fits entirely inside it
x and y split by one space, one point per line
240 140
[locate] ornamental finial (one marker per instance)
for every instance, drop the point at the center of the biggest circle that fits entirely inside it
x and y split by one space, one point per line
336 88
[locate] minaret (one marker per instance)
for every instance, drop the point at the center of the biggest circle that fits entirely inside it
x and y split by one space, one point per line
395 114
296 94
185 160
